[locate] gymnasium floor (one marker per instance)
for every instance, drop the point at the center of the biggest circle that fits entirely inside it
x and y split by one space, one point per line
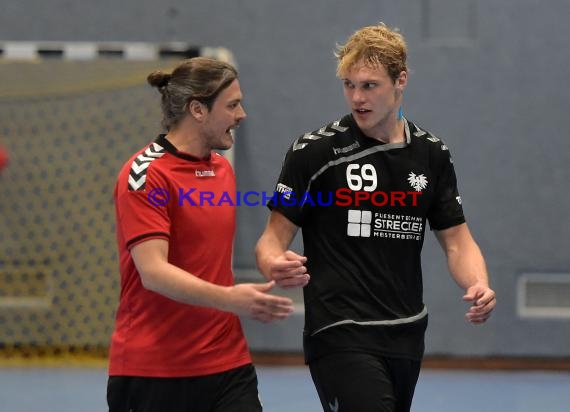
289 389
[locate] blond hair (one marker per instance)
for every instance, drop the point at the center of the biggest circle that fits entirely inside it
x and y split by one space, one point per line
373 46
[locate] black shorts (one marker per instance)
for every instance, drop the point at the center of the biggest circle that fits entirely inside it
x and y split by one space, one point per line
361 382
231 391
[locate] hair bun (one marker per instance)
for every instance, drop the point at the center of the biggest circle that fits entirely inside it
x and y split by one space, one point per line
159 79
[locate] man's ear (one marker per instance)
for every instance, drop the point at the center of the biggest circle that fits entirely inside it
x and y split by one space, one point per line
402 81
197 110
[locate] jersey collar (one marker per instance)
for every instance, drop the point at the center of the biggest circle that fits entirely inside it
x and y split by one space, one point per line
407 135
170 148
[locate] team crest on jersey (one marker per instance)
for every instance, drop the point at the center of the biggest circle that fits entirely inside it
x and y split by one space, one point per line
418 182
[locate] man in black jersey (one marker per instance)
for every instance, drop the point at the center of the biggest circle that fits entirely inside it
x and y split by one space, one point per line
362 189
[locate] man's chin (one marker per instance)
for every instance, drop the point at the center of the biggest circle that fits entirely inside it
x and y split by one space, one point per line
225 145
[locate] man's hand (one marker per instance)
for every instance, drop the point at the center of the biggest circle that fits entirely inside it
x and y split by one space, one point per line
288 270
484 301
253 301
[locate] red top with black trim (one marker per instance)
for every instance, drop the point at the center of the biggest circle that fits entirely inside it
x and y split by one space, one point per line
166 194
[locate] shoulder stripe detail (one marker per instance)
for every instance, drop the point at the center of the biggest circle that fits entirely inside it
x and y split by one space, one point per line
318 134
298 146
336 126
137 174
323 131
429 136
419 132
400 321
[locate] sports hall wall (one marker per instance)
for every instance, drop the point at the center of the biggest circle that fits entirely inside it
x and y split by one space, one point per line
489 78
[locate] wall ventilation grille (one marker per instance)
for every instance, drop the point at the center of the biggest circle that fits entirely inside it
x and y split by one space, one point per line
543 295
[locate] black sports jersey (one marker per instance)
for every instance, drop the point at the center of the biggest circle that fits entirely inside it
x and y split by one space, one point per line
362 206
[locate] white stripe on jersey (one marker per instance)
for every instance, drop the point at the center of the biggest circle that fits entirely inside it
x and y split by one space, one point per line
400 321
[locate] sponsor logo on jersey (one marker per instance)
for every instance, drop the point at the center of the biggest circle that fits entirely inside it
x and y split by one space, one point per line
284 190
346 149
205 173
418 182
364 223
359 223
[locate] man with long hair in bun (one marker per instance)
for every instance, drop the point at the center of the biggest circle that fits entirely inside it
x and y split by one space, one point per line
178 344
364 315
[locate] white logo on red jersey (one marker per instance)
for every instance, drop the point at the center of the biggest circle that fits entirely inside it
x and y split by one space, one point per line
205 173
